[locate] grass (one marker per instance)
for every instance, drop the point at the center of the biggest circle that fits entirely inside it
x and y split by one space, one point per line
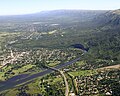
83 73
16 72
23 69
33 87
56 80
11 91
2 73
53 63
79 63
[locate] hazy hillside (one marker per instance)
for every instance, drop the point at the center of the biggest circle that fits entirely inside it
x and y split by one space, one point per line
111 18
60 18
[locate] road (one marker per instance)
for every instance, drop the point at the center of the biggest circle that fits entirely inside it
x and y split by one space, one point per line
20 79
65 80
110 67
66 84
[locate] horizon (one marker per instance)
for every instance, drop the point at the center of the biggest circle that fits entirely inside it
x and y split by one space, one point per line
24 7
56 10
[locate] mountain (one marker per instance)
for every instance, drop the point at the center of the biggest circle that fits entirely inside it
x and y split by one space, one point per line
64 18
55 14
54 37
115 18
106 39
110 18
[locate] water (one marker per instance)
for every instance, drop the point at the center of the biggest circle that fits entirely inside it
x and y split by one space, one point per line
80 46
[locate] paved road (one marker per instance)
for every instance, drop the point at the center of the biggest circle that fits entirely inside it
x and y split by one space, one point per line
20 79
65 80
66 84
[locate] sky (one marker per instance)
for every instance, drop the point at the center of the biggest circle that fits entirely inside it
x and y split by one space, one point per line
16 7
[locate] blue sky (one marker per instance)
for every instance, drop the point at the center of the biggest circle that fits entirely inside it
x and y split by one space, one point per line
14 7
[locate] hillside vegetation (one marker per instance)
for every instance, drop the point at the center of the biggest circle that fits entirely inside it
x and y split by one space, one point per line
31 42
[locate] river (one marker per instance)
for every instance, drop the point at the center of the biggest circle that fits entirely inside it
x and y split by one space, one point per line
24 78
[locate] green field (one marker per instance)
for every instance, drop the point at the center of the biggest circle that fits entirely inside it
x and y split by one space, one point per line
83 73
7 71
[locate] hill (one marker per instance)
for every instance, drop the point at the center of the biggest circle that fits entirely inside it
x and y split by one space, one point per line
63 18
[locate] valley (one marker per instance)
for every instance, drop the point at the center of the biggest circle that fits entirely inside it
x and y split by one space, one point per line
81 44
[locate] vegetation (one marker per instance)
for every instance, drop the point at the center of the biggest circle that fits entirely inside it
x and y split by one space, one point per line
29 44
83 73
